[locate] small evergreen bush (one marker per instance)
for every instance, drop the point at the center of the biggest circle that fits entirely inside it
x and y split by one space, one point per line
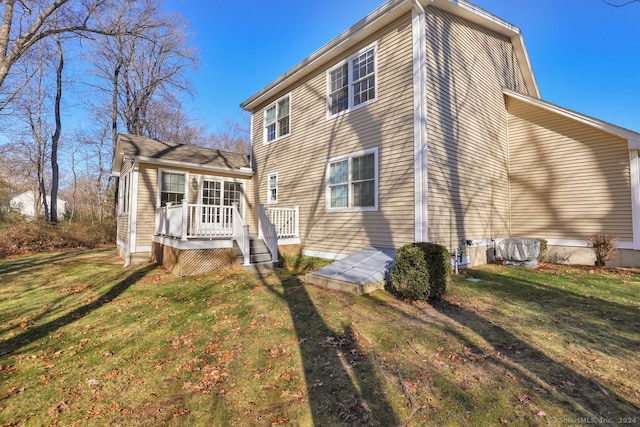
439 262
421 271
409 277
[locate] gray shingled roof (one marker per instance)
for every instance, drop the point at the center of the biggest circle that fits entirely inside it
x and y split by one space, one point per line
132 146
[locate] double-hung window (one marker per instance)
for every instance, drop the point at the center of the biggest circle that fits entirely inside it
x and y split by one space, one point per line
124 193
353 82
352 181
272 188
172 187
277 119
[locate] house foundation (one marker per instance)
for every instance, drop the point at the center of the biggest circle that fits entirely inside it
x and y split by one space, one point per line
188 262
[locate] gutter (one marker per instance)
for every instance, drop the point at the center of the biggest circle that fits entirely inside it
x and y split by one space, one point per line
244 171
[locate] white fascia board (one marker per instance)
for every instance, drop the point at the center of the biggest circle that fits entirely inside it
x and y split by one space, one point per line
477 15
631 136
188 165
517 41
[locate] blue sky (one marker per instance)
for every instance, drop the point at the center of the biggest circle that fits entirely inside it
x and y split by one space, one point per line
585 54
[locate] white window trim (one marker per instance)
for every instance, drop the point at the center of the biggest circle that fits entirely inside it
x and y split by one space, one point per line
264 120
348 61
350 207
187 183
269 201
125 181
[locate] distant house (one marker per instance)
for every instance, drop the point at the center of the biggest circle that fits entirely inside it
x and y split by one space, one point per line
422 122
25 203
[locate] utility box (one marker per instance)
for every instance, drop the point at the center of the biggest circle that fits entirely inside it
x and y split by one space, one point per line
519 251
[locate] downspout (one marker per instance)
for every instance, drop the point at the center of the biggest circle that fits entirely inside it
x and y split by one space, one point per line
420 137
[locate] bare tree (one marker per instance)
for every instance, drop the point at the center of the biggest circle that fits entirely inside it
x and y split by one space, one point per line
55 137
234 136
141 73
34 110
24 24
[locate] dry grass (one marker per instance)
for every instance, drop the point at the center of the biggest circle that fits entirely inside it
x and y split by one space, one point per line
85 342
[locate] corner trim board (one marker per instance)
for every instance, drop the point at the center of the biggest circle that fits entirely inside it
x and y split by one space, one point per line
420 130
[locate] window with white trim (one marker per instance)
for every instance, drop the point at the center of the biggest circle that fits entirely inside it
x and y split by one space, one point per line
352 181
353 82
172 187
272 188
124 193
277 119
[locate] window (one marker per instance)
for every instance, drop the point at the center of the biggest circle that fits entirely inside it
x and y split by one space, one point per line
277 121
211 193
172 188
124 193
352 181
272 188
352 83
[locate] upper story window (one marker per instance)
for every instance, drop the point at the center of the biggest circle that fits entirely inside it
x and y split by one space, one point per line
352 181
172 187
353 82
277 119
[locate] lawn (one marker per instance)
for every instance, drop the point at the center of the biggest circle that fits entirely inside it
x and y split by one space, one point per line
85 342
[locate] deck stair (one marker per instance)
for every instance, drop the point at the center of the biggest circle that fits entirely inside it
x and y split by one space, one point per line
259 255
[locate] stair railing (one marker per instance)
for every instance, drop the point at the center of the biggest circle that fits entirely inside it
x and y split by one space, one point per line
241 235
267 232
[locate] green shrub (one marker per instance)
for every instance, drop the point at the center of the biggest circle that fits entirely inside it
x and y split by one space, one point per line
439 262
604 246
544 247
421 271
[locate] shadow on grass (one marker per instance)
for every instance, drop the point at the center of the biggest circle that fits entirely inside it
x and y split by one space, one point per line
26 263
582 395
342 383
609 326
15 343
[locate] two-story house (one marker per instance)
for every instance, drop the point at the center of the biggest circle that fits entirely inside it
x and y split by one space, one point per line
424 122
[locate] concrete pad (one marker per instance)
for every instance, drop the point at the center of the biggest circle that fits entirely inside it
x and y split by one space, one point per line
360 273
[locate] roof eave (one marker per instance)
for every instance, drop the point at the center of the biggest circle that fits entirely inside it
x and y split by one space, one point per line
243 171
376 20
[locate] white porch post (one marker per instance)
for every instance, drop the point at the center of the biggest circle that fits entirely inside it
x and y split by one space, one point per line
185 211
296 209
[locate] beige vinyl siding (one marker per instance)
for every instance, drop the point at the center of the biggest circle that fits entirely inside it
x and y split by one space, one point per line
468 67
567 179
148 197
300 159
147 202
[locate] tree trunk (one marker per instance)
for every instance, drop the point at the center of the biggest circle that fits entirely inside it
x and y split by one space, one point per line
55 138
